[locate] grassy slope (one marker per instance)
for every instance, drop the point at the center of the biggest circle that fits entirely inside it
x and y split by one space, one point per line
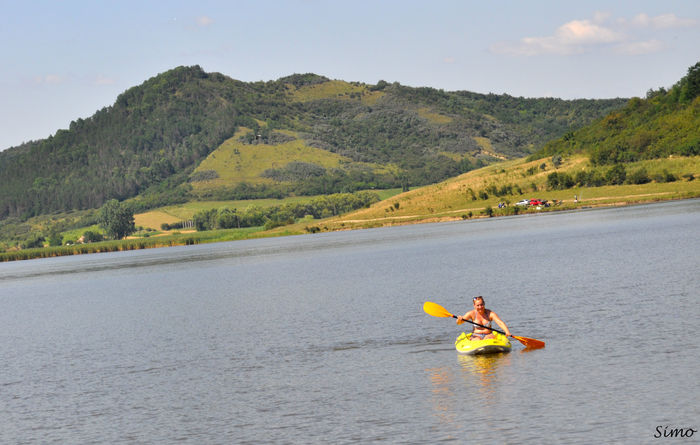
451 199
235 161
334 89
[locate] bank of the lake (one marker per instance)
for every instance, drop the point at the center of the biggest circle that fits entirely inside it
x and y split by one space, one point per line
586 198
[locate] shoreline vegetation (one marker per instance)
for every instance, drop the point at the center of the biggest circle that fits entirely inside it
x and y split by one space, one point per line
225 235
460 198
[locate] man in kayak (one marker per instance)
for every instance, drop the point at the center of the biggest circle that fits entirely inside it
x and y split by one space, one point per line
484 317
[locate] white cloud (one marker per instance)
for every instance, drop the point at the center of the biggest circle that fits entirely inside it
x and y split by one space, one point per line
101 80
574 37
600 33
639 48
600 16
663 21
48 79
583 32
204 21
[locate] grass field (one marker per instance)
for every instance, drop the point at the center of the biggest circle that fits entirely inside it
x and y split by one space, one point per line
335 89
184 212
454 198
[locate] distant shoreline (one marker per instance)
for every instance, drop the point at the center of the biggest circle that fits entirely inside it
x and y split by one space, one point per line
294 229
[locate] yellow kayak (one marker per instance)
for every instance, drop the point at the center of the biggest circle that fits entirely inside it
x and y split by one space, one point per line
465 345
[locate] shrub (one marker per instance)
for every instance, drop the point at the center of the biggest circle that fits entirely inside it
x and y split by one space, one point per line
294 171
591 178
666 176
639 176
556 160
616 175
33 242
55 238
204 175
560 181
92 237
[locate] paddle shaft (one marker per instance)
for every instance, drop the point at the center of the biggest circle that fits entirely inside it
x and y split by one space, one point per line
480 325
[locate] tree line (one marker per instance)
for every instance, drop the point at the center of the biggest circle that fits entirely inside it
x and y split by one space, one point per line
274 216
615 175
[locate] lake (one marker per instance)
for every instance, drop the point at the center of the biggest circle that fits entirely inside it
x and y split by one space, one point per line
322 338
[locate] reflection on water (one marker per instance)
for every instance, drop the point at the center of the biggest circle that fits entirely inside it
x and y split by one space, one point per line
483 369
478 380
444 398
485 373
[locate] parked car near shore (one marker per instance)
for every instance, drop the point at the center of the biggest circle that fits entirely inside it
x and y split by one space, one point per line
524 202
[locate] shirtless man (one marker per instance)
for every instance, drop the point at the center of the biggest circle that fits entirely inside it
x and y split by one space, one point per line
482 316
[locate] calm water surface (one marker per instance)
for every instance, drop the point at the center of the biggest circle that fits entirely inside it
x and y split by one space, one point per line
322 338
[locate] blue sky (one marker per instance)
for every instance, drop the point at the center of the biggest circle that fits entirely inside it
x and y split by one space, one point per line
63 60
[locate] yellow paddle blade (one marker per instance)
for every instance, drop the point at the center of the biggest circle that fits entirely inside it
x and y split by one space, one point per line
435 310
530 342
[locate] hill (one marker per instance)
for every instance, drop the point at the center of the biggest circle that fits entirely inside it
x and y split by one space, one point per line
186 134
648 150
666 123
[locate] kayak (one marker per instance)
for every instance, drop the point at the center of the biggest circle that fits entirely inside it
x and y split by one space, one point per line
465 345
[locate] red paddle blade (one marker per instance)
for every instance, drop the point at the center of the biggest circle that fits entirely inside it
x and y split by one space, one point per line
530 342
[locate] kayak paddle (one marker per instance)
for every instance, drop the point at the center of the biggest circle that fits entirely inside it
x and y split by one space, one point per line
436 310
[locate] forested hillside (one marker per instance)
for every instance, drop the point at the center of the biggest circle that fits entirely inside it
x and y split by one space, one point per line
151 140
666 123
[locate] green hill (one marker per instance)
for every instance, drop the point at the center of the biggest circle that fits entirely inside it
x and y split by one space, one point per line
649 150
186 134
666 123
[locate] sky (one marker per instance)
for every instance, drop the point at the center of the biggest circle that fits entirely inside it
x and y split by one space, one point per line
64 60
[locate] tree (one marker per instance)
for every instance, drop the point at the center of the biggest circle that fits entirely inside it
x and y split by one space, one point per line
616 175
556 160
117 219
559 181
90 236
205 219
691 83
55 237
